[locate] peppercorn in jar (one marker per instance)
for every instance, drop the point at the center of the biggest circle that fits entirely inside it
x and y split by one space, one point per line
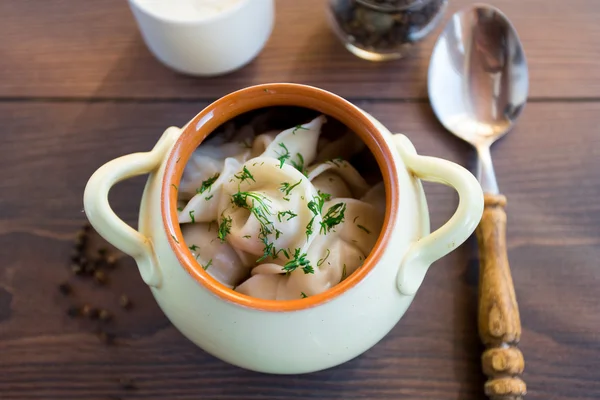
380 30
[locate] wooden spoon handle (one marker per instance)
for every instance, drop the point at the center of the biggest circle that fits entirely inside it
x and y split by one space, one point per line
499 322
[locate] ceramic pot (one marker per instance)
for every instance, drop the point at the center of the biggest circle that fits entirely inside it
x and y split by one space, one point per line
295 336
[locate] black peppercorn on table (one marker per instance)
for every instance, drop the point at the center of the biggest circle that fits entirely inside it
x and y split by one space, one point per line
78 88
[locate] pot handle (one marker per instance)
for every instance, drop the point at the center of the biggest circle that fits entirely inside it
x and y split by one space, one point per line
107 223
453 233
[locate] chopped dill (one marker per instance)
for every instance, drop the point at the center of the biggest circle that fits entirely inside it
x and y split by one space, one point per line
224 228
299 128
303 295
175 239
208 264
287 188
192 216
193 247
179 209
207 184
300 164
322 260
283 214
333 217
245 175
343 273
299 261
209 197
174 186
283 157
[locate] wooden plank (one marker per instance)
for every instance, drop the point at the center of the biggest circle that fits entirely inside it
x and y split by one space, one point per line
73 48
545 167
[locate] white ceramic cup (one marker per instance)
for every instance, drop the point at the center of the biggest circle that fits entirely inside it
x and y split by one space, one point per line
208 45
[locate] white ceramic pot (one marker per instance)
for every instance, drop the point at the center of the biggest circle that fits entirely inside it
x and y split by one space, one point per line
296 336
204 45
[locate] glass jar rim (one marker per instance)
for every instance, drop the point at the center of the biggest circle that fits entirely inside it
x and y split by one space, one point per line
392 8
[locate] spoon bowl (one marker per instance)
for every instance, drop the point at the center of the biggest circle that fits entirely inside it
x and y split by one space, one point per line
478 78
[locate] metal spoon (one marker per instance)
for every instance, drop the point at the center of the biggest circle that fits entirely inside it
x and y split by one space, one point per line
478 83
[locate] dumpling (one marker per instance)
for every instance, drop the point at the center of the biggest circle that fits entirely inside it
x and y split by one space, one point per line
218 258
376 197
338 178
344 147
203 207
333 254
297 146
265 209
209 159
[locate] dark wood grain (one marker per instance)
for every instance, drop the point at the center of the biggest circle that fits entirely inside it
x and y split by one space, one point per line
91 49
547 168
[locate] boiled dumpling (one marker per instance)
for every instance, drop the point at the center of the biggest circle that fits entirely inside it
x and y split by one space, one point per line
218 258
264 209
338 178
344 147
334 255
203 207
297 146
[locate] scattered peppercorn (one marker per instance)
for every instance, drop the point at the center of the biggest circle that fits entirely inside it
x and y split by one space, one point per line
105 315
100 277
86 310
77 269
73 311
125 302
111 260
65 289
81 240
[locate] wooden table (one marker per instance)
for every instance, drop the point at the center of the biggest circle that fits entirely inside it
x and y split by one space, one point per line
78 88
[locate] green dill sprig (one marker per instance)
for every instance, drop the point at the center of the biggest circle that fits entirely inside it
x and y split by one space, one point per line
261 209
343 273
303 295
287 187
316 207
283 214
299 128
224 228
322 260
299 261
192 216
283 157
300 164
333 217
193 247
245 175
207 184
208 264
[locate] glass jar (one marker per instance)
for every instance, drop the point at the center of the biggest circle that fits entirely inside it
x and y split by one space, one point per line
380 30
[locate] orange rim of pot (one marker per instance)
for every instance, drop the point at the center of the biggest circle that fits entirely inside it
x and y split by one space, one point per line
263 96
